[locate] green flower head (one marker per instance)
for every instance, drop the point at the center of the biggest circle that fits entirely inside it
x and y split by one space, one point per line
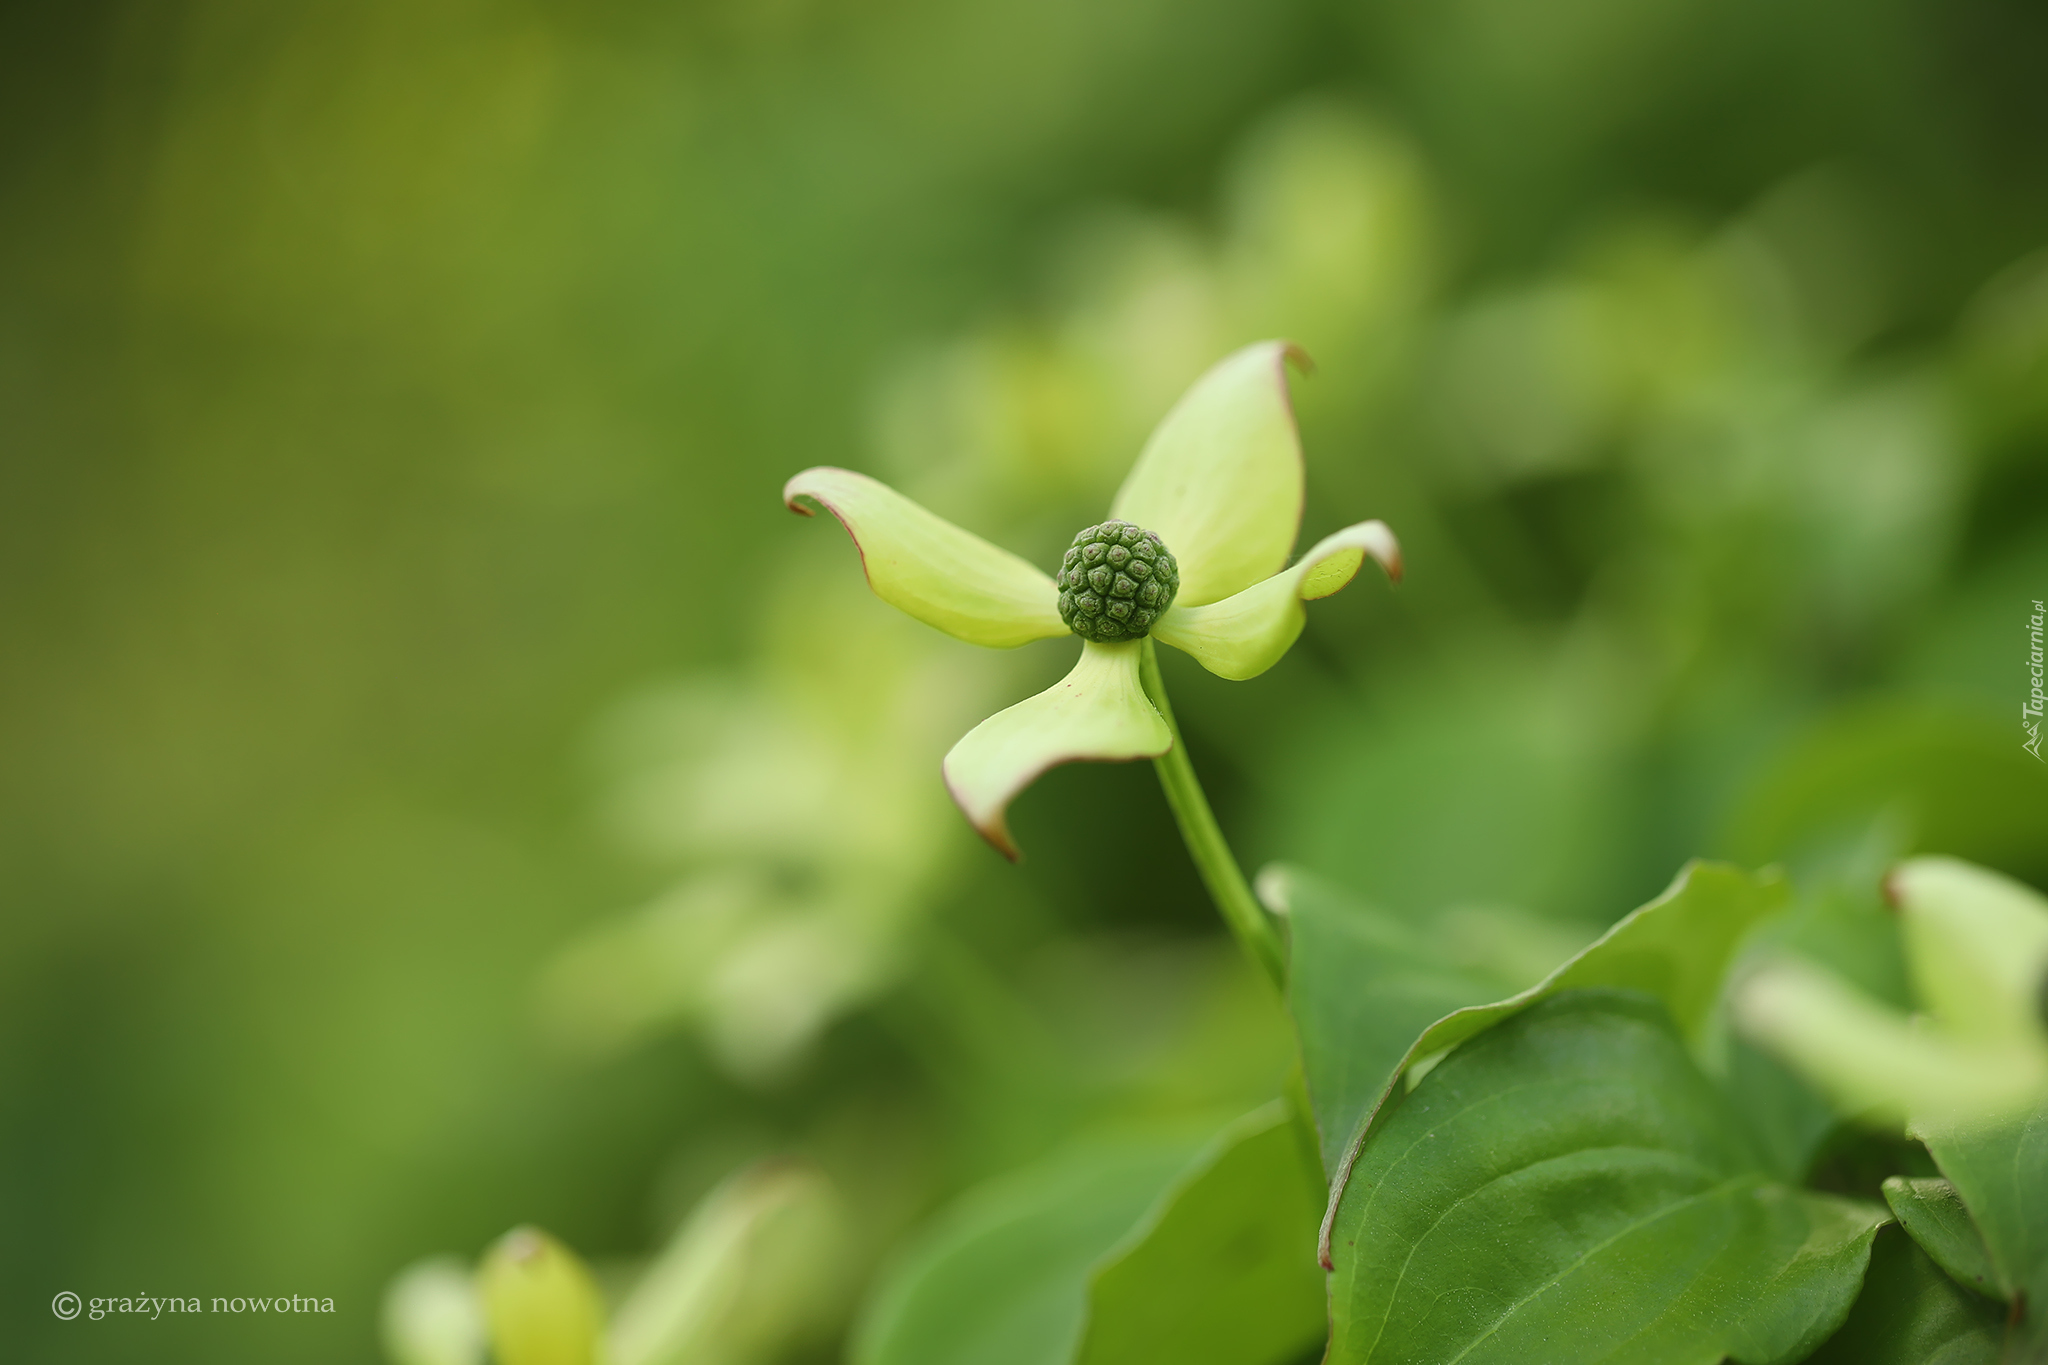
1194 554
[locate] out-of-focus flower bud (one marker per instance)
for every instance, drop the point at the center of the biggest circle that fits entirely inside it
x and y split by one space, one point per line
760 1266
431 1315
540 1303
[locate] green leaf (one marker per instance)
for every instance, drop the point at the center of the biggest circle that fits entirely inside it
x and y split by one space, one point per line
1933 1215
1003 1278
2001 1172
1676 948
1788 1118
1570 1187
1361 986
1223 1271
1909 1313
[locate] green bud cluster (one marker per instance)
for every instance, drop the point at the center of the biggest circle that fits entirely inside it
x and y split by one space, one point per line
1114 581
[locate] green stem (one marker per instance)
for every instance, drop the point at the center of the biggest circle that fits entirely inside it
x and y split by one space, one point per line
1240 909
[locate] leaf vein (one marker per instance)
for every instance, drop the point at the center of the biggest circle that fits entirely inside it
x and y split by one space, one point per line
1592 1251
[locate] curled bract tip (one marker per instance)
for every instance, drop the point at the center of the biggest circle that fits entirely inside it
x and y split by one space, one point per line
1248 632
1388 556
926 567
1097 713
792 497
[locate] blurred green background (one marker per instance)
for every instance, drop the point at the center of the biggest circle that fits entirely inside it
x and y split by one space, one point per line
394 592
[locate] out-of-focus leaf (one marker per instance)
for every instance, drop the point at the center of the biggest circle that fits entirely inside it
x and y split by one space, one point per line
1909 1313
1003 1278
1223 1271
1786 1116
2002 352
1451 790
1838 920
2001 1172
1361 986
1932 1213
757 1267
1676 948
1958 782
1574 1149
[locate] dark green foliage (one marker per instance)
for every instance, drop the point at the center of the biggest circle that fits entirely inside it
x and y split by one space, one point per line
1224 1272
1675 948
1362 987
1932 1214
1910 1313
1568 1189
2001 1173
1115 1254
1003 1279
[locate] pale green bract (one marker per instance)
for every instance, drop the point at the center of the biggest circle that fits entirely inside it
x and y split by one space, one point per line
1097 711
1977 945
1220 482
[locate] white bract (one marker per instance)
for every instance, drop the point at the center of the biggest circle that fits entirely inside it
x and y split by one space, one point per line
1220 482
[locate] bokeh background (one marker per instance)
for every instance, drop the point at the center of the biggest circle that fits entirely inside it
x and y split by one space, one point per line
440 787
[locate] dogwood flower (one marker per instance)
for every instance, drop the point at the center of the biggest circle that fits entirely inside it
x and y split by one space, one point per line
1194 554
1976 947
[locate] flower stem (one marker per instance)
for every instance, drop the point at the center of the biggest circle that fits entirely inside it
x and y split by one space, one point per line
1247 919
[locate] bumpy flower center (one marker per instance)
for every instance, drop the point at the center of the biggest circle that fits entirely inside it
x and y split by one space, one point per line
1114 581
